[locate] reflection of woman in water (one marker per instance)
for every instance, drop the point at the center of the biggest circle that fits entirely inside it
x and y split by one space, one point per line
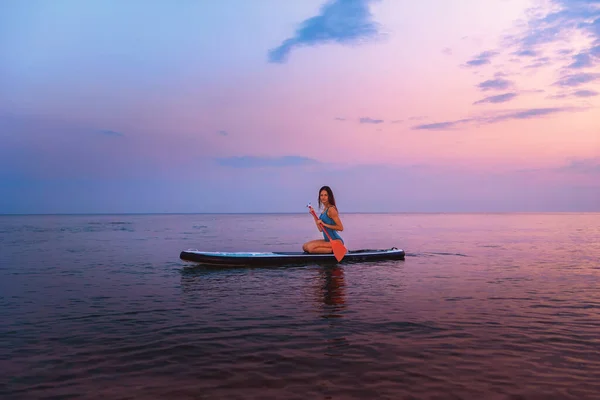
333 291
333 303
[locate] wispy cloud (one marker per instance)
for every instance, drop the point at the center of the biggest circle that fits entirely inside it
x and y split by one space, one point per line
481 59
585 93
501 98
559 22
572 24
222 133
495 84
540 62
259 162
340 119
582 166
491 119
442 125
528 114
339 21
367 120
581 60
576 79
557 96
107 132
525 53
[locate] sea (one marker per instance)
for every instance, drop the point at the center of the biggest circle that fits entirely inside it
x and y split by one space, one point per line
484 306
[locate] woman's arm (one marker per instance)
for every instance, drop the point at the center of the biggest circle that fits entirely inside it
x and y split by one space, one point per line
333 214
317 222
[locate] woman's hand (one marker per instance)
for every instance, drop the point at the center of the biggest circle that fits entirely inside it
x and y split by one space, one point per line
319 224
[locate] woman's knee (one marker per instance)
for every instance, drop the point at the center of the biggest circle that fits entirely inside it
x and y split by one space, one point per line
310 246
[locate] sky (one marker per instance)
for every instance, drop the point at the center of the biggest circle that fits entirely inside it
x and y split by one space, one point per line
251 106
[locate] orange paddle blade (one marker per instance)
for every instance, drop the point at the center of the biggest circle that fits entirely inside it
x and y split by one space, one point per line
339 250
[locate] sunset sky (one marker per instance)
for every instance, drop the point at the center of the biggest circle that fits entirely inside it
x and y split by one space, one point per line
252 105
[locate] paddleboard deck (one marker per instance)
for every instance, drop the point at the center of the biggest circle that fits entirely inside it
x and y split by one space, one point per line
287 258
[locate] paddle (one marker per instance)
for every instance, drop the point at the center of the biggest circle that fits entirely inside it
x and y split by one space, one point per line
339 250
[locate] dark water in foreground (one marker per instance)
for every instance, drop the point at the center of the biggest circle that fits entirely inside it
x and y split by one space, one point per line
485 306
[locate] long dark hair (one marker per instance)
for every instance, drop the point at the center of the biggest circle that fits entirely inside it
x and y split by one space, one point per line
329 194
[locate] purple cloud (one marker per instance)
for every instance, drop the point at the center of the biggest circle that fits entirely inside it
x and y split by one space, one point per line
577 79
501 98
554 24
581 60
585 93
441 125
565 17
481 59
367 120
339 21
495 84
528 114
540 62
525 53
522 114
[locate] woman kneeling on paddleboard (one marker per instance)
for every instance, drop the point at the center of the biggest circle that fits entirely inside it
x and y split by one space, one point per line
328 220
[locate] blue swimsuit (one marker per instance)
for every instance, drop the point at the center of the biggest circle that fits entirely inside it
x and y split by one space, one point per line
327 219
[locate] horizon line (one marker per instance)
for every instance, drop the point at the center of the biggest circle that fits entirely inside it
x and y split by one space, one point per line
299 213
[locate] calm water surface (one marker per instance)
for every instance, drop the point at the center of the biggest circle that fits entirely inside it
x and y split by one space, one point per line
485 306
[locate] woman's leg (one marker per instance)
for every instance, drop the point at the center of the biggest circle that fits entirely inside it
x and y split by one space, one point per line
317 246
308 245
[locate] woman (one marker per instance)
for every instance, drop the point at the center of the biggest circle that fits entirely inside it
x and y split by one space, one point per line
328 220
